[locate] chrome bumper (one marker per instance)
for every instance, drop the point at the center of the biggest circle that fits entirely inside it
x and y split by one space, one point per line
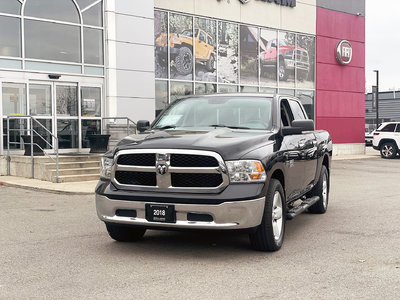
228 215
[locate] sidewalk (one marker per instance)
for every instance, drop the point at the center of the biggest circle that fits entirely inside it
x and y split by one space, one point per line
88 187
72 188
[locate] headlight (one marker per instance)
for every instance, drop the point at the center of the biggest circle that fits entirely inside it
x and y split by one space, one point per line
106 165
246 171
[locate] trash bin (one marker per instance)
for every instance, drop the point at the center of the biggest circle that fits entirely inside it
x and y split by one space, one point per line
37 140
98 142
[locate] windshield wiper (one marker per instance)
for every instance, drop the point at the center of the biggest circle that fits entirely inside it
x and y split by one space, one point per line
165 127
231 127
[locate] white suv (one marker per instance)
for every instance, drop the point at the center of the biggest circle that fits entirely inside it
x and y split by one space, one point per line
387 139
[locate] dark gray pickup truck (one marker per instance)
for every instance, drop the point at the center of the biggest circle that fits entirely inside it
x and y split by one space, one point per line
229 161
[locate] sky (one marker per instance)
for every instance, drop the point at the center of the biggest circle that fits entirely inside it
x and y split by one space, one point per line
382 44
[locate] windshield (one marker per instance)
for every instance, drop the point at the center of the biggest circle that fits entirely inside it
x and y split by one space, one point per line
234 112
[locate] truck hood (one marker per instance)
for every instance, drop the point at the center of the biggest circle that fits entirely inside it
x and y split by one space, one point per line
231 144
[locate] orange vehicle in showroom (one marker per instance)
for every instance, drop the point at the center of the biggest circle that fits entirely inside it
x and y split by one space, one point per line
181 50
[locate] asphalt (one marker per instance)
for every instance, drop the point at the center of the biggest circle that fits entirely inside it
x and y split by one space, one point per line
88 187
52 246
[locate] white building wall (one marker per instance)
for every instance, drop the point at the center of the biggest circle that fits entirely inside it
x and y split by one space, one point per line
130 59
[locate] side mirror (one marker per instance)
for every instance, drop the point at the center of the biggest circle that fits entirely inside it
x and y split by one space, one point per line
298 126
142 125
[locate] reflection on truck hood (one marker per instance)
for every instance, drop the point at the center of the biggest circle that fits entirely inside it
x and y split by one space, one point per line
229 143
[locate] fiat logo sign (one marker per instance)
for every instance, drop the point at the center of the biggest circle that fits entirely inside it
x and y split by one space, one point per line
344 52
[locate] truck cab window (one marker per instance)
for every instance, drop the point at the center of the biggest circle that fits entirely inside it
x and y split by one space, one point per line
297 111
286 113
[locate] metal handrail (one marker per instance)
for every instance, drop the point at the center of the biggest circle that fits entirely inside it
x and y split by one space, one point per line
128 123
32 131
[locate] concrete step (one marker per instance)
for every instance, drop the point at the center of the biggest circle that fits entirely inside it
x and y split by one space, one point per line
80 171
77 178
79 158
73 165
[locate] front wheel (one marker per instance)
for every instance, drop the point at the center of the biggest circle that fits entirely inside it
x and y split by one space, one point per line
184 61
388 150
268 236
124 233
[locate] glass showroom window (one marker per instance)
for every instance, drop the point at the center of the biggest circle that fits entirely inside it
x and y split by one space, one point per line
247 59
52 35
44 41
10 7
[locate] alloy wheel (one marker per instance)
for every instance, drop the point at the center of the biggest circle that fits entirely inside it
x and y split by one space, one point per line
277 216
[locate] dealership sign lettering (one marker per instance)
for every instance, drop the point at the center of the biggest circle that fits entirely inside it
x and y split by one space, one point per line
290 3
344 52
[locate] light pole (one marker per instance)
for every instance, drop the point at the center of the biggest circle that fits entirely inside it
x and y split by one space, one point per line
377 98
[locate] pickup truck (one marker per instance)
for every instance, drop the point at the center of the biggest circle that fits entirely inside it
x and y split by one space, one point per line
223 162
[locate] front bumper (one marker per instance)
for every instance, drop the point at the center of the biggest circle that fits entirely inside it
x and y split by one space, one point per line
227 215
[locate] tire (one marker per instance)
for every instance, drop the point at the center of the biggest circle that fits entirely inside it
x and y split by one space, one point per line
283 74
210 64
388 150
184 61
321 190
268 236
124 233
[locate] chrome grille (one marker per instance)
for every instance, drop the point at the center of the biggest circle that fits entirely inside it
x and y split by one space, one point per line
170 170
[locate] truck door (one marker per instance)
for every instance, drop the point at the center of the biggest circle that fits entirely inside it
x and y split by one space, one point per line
293 149
308 144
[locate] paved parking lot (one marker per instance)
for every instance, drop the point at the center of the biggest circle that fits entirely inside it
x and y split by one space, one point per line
53 246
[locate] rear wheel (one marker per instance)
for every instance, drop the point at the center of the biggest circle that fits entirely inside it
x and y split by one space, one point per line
123 233
388 150
321 190
268 236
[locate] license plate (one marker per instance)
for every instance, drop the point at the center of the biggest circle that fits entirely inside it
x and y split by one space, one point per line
160 213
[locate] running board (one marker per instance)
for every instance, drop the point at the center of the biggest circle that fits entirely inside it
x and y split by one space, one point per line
295 211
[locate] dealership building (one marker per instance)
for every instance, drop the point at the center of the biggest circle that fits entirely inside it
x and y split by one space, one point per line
74 63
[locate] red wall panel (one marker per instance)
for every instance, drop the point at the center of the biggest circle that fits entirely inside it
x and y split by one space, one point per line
340 25
340 104
340 78
343 130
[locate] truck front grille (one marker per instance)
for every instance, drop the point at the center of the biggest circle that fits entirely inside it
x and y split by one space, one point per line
170 170
302 56
136 178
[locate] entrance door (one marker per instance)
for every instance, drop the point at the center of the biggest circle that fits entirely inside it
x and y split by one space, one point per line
66 116
70 111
